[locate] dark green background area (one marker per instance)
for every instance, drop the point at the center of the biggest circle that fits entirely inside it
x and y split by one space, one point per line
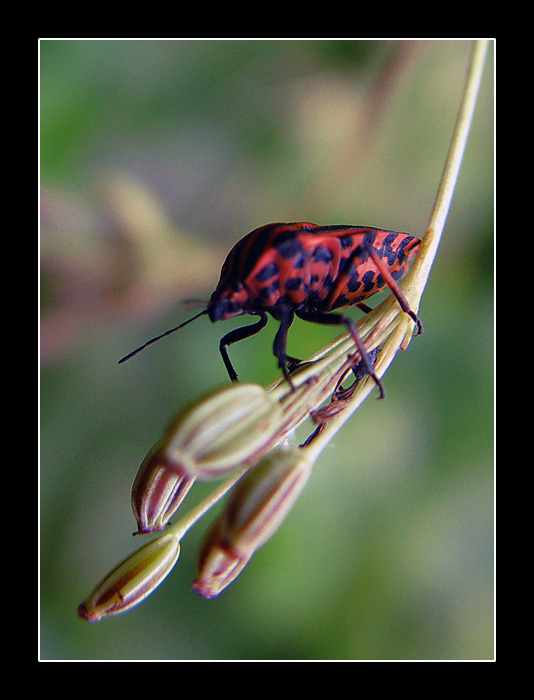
388 554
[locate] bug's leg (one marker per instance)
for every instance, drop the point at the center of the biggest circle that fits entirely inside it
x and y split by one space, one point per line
392 284
342 320
339 399
359 372
292 363
239 334
285 316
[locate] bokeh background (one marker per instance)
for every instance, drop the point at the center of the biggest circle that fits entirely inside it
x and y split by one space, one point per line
156 157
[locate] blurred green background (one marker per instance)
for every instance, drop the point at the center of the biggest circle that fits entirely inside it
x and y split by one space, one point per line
156 157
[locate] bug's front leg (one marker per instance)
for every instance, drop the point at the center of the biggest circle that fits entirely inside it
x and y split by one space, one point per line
239 334
285 315
293 363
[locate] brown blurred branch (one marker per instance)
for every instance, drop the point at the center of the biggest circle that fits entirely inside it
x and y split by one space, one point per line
122 259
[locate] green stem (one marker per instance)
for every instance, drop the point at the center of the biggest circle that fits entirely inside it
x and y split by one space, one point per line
416 279
189 519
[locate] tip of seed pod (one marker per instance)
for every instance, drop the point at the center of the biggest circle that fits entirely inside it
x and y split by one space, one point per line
86 614
204 590
148 530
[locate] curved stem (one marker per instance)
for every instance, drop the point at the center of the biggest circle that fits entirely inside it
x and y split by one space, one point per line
417 277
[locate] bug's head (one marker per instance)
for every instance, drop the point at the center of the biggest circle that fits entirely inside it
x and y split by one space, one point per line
229 300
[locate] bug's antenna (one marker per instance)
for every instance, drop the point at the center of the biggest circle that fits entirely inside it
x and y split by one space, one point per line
158 337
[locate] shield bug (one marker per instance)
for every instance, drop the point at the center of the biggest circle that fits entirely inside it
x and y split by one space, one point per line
308 271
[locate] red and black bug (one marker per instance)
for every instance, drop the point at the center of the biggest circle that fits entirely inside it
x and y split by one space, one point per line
305 270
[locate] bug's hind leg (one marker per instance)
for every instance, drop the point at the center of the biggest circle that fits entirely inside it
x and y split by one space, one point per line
392 284
234 336
342 320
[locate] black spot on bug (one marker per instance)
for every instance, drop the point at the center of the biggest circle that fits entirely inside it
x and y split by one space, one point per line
354 283
314 279
321 254
344 265
368 281
265 292
300 261
340 301
293 283
358 255
369 238
287 247
248 250
345 241
401 256
267 272
387 251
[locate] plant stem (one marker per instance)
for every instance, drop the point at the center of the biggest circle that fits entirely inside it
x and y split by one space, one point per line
189 519
417 277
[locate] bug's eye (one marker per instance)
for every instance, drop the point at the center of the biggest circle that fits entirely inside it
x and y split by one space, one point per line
223 308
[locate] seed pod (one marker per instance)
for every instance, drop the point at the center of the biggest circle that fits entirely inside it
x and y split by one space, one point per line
257 506
233 426
132 580
157 492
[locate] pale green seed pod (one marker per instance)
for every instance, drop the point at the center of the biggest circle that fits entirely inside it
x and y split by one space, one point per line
257 506
233 426
132 580
157 492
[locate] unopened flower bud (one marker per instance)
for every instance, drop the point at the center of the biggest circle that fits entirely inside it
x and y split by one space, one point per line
132 580
157 492
257 506
231 427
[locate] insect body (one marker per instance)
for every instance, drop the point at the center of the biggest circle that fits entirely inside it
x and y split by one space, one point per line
305 270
